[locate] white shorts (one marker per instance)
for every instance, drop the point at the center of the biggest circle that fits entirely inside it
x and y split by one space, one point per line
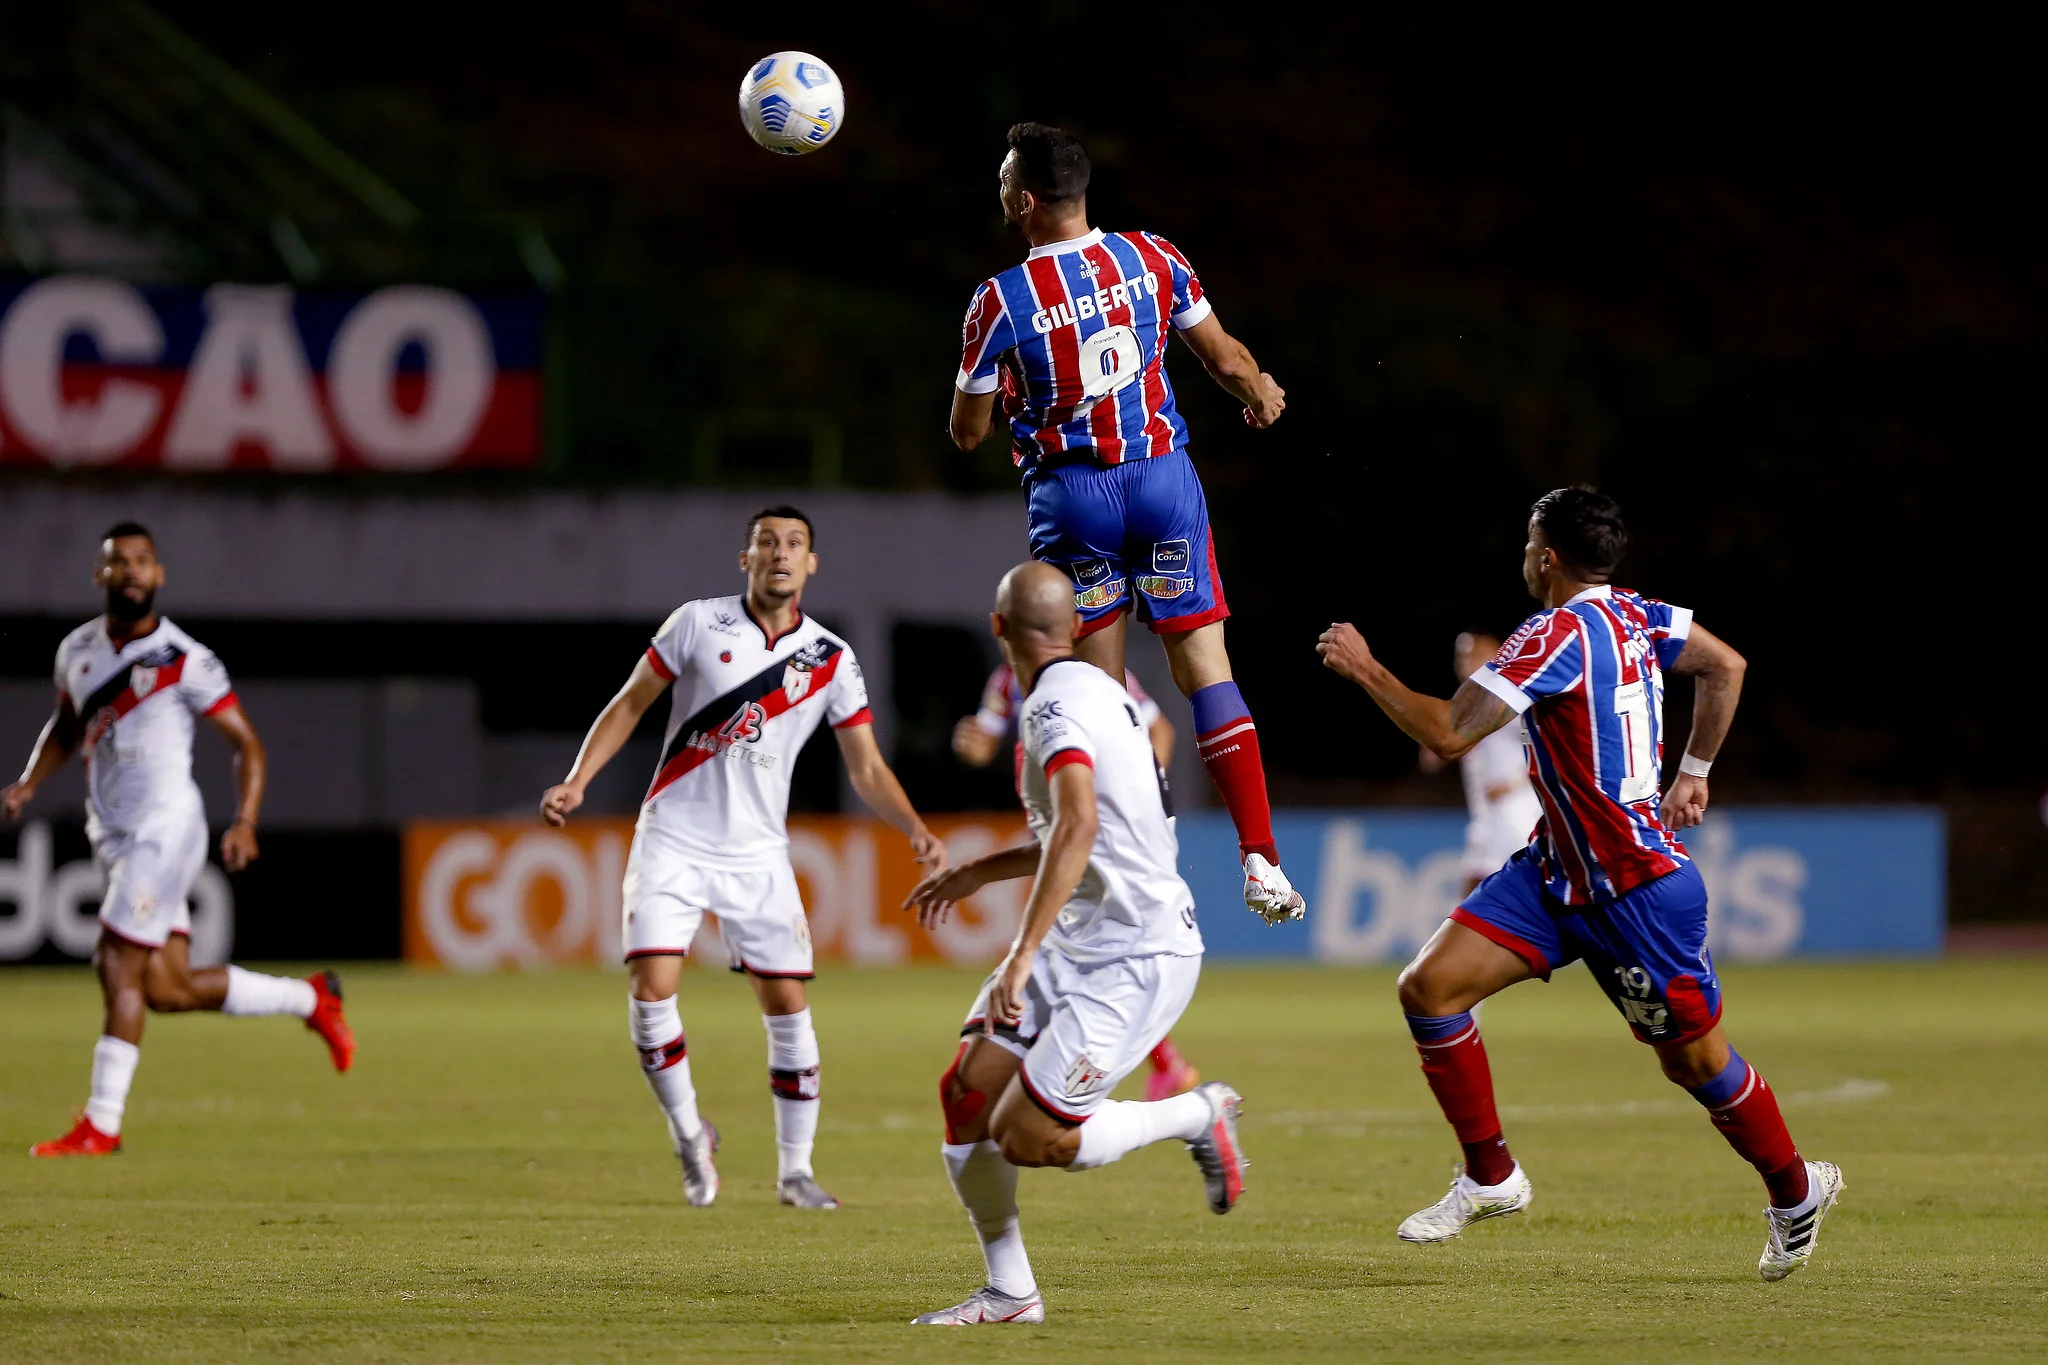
1086 1027
760 915
149 874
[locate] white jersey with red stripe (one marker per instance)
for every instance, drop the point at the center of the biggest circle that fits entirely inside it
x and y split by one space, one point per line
1131 901
138 704
1001 697
1075 338
744 703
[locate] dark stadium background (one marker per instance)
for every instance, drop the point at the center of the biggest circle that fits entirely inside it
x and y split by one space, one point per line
1776 283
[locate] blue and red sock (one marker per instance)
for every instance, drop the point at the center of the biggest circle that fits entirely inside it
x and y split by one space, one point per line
1228 745
1454 1063
1743 1107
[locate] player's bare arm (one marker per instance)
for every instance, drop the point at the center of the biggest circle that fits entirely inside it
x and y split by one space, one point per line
973 418
608 734
1229 362
1060 866
1716 693
973 745
935 896
1447 729
252 769
59 737
875 783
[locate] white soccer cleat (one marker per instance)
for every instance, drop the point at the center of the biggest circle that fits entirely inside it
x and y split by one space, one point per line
700 1176
1466 1204
803 1192
1216 1151
1268 893
984 1305
1792 1238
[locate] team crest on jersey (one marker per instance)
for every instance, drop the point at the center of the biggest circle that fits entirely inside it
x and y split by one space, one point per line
1084 1077
795 683
141 681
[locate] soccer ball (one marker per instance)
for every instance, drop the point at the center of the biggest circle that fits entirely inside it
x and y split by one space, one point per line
791 103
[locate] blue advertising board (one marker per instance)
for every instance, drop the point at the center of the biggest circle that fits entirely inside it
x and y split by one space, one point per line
1781 881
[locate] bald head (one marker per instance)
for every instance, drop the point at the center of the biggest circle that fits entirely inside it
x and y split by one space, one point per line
1038 598
1034 618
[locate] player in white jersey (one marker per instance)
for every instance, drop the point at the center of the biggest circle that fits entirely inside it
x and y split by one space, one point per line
129 687
1104 963
1501 807
753 678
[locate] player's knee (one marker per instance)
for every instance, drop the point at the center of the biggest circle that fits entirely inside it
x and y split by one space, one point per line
1417 989
961 1104
1689 1065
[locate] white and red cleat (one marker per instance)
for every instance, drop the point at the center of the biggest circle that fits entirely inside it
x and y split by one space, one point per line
1217 1152
1171 1075
1268 894
327 1021
82 1140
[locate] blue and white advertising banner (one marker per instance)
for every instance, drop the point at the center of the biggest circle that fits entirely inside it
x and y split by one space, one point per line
1781 881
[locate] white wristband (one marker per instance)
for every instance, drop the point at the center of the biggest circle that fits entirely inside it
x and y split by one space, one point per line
1694 767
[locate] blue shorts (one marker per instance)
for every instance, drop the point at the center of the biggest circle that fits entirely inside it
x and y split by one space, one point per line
1136 532
1648 949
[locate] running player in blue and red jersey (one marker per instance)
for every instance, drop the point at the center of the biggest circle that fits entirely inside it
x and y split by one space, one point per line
1606 878
1074 341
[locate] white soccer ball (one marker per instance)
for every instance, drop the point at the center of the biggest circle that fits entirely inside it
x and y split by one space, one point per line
791 103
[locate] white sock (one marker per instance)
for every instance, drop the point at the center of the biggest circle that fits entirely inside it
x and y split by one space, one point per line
665 1060
255 993
1121 1127
113 1071
987 1186
793 1080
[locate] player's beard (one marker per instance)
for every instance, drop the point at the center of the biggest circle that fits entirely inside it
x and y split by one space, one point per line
128 610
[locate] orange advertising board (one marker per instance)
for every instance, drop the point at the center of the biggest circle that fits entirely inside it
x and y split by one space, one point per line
486 895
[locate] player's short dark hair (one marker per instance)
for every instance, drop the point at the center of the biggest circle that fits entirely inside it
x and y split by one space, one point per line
122 529
1051 162
785 512
1583 527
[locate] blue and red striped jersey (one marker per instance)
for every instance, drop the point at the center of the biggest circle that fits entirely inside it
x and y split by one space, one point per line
1587 678
1075 338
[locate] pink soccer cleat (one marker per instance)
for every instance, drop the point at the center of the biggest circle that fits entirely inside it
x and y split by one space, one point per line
327 1021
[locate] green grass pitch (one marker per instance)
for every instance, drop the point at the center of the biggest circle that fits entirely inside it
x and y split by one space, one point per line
492 1183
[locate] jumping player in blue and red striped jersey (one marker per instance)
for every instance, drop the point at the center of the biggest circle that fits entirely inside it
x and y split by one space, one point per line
1606 878
1073 340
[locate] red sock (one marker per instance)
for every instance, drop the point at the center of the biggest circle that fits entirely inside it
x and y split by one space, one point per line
1454 1062
1756 1130
1166 1057
1231 754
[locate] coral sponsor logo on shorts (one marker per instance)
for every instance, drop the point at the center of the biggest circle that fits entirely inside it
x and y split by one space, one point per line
1170 556
1101 595
1089 571
1157 585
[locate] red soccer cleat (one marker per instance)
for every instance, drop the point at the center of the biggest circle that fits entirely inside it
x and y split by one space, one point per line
1170 1075
326 1019
82 1140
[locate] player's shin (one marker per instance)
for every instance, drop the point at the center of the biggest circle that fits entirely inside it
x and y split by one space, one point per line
1121 1127
1744 1108
252 993
1228 744
665 1060
1454 1063
793 1080
987 1186
113 1071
